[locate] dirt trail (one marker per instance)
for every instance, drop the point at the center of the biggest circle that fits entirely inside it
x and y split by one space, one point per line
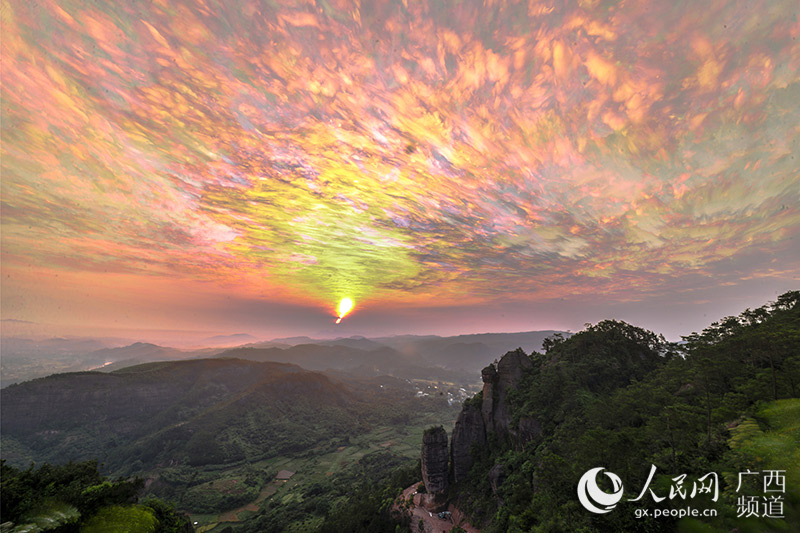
431 522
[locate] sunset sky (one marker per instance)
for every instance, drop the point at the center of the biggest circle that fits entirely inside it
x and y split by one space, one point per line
195 168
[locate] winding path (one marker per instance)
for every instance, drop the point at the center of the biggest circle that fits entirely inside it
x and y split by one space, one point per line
431 522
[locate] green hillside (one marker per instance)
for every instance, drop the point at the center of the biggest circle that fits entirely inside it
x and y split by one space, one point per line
211 435
619 397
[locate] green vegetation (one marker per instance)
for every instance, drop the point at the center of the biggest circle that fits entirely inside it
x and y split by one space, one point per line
212 414
211 435
221 494
768 441
347 484
358 499
76 497
122 519
622 398
474 401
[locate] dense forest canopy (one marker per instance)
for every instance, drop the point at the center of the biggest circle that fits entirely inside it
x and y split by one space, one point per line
617 396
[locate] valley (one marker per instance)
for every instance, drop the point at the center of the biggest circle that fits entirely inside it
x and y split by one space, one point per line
240 442
214 435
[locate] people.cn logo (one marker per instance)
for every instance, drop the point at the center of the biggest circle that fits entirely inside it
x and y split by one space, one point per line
593 497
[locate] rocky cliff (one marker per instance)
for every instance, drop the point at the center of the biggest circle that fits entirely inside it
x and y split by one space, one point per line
489 413
434 460
484 417
510 370
489 377
469 430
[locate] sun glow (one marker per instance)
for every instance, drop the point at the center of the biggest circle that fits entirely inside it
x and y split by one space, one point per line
345 306
434 155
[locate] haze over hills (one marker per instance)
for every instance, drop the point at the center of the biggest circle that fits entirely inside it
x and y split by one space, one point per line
461 353
25 359
407 356
409 344
234 339
54 346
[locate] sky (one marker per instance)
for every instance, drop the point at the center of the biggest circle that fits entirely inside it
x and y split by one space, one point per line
197 167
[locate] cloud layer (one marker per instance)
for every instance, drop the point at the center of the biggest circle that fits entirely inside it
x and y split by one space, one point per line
421 152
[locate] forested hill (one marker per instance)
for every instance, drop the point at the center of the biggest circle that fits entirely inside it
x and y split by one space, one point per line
622 398
257 446
210 411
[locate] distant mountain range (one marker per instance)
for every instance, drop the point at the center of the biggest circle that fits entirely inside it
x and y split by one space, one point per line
208 433
53 346
458 358
405 356
134 354
228 340
25 359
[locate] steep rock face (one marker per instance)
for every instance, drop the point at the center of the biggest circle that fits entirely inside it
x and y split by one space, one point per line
477 422
469 430
434 460
488 375
510 370
496 385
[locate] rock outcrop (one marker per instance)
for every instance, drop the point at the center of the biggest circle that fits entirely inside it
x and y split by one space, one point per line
489 376
492 415
486 416
497 382
510 370
435 460
469 430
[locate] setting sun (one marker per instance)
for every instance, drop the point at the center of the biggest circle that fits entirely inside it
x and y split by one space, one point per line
345 306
